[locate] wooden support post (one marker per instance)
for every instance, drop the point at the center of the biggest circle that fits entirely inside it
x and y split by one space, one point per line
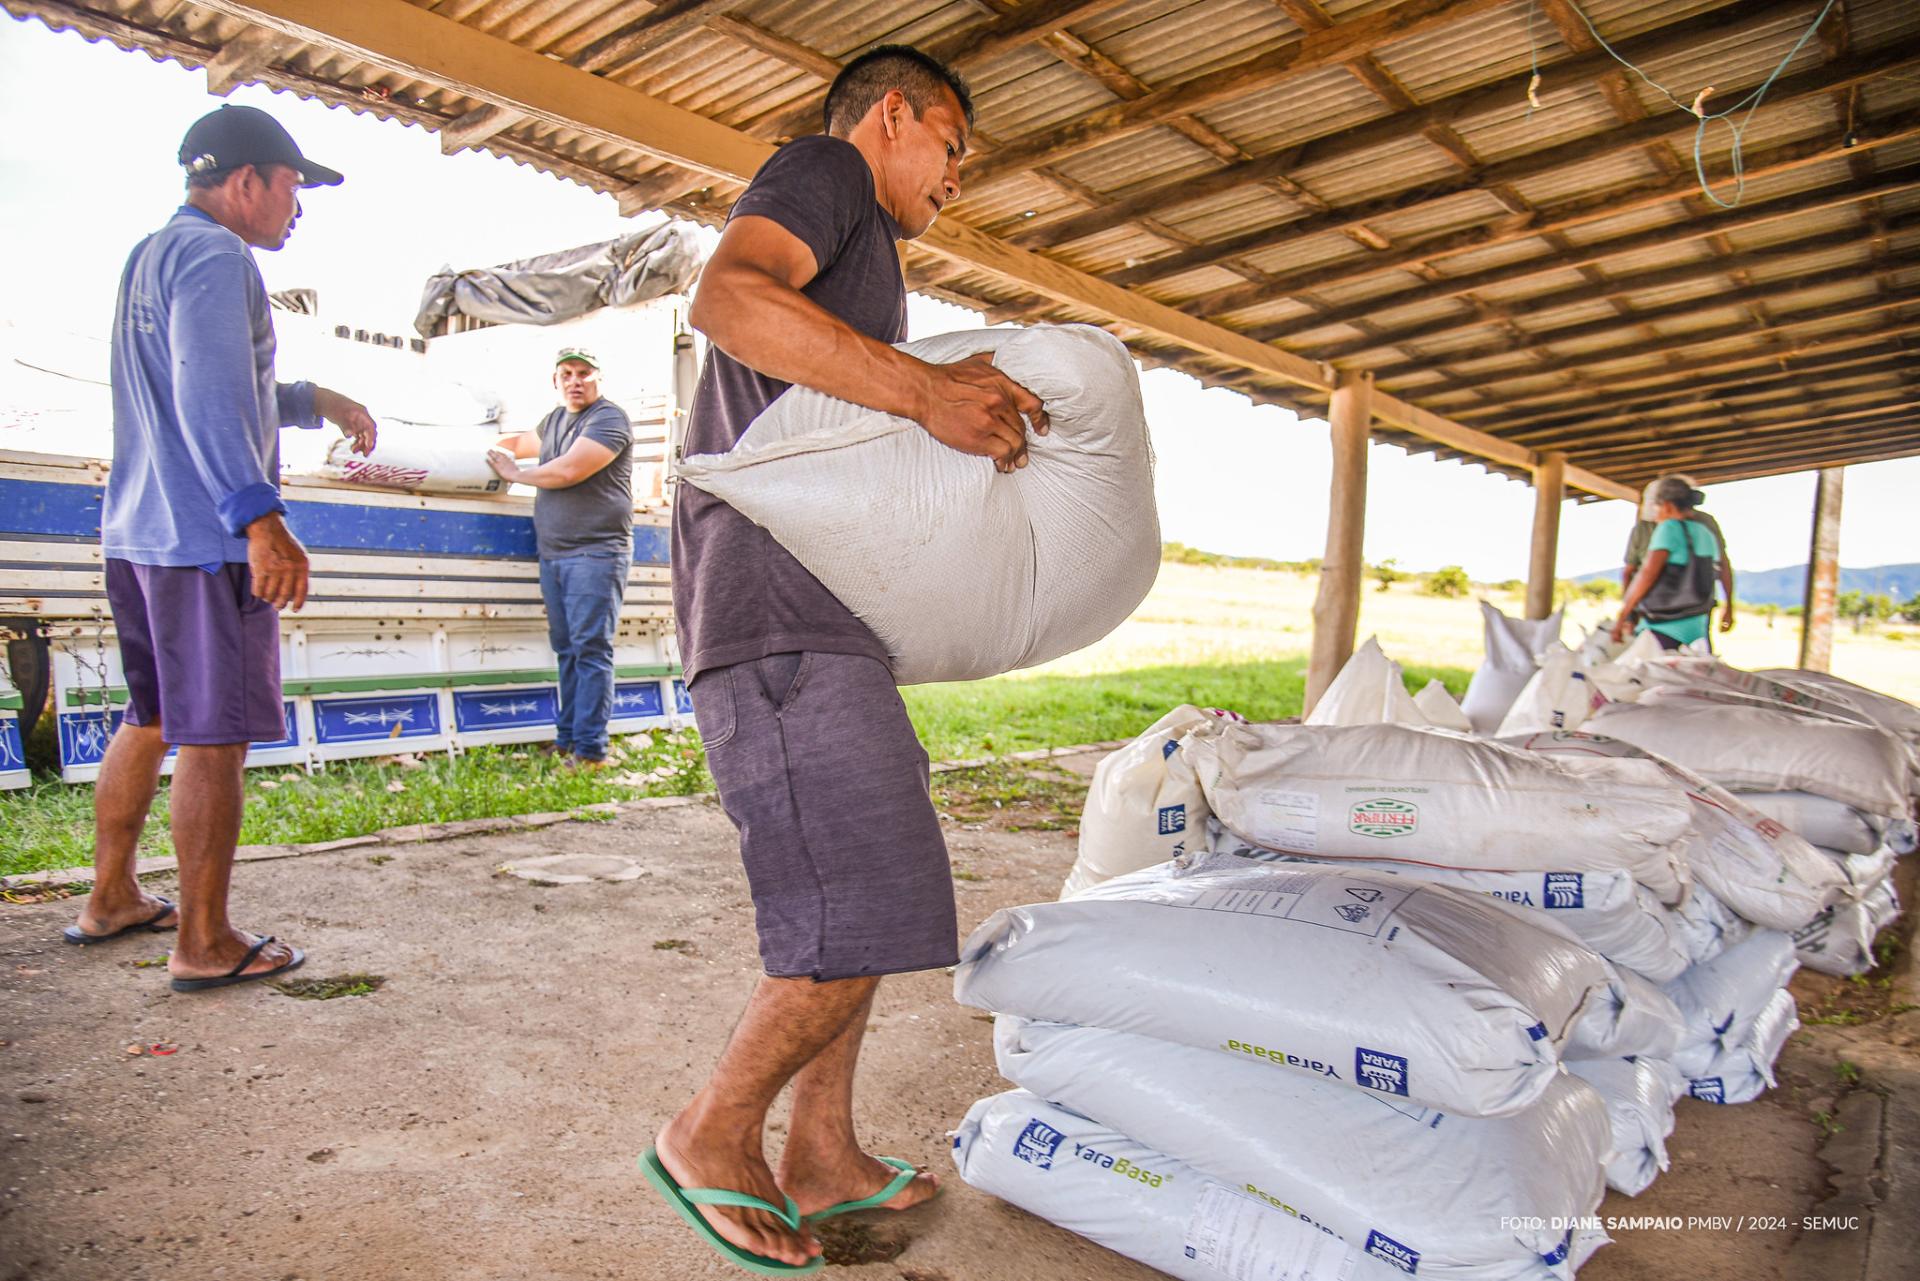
1549 491
1336 609
1823 573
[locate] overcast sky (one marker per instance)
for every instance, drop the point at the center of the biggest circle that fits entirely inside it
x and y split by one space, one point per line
95 172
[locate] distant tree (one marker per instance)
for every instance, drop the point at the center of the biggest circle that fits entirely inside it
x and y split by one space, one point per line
1512 587
1450 581
1910 612
1387 573
1599 589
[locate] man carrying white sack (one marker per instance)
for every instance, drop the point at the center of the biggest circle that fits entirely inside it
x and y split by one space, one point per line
806 736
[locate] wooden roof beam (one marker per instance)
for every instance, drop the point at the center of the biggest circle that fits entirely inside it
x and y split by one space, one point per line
1316 51
1158 197
1774 402
411 41
1894 432
1633 197
1481 383
1495 313
1773 291
667 20
1897 407
1771 353
243 58
1845 457
1594 146
1718 388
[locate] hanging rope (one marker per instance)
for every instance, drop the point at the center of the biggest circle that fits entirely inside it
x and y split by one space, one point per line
1697 108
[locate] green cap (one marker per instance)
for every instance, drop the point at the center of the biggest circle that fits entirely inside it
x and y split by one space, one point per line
576 353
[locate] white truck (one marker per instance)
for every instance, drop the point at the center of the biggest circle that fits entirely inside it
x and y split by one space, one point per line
423 628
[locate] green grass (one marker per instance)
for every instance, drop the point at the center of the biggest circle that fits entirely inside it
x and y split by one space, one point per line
51 825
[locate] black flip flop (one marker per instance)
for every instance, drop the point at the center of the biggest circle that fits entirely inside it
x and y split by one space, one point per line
74 934
234 975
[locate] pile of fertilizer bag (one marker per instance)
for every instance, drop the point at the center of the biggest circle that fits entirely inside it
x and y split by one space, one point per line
1306 997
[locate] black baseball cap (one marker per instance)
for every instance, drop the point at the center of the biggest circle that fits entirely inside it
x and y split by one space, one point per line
231 136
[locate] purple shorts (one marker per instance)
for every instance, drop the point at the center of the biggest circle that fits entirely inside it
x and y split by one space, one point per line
819 768
200 652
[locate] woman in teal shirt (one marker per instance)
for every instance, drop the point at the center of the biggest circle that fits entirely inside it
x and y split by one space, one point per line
1673 591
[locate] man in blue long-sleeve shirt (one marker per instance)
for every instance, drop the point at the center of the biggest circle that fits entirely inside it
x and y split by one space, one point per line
199 560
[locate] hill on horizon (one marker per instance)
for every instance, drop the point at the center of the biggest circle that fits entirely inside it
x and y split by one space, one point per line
1787 585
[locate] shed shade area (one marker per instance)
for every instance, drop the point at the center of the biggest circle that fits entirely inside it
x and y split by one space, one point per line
1270 194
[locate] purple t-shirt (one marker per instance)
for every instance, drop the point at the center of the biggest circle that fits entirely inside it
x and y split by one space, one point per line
738 595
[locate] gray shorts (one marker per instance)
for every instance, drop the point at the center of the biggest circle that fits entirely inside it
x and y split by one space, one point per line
200 651
819 768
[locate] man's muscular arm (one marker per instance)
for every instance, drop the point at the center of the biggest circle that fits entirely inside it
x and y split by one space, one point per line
750 306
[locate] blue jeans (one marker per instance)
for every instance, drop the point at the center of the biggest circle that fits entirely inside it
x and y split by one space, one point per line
583 595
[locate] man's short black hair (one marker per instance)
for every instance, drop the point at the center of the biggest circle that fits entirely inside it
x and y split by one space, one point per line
869 78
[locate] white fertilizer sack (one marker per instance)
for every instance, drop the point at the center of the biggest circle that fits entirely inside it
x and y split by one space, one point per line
1453 1191
1628 1016
1440 709
1721 999
1639 1094
1839 941
1141 1203
1512 646
1761 749
1370 690
1609 911
1143 806
1743 1072
430 460
960 571
1760 869
1708 927
1407 795
1381 984
1558 696
1821 820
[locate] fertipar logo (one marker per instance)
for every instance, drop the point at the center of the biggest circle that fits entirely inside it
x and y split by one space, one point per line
1384 818
1386 1073
1382 1246
1037 1144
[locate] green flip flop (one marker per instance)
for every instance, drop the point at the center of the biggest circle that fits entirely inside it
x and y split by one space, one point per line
908 1173
686 1200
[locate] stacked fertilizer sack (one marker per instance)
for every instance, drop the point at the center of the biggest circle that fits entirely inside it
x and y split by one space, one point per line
1833 763
1235 1067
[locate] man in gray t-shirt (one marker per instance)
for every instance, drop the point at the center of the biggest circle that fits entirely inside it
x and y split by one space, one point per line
583 525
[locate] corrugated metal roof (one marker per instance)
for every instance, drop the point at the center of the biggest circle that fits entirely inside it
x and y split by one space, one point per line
1402 194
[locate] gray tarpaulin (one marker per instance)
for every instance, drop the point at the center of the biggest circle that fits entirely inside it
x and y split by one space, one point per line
560 286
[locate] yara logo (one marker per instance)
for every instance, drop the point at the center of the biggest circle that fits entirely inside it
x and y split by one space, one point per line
1382 1246
1386 1073
1384 818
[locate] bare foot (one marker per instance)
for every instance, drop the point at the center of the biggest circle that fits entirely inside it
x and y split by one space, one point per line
817 1180
217 962
104 918
694 1163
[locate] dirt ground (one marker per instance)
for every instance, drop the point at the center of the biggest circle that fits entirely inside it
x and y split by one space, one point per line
478 1116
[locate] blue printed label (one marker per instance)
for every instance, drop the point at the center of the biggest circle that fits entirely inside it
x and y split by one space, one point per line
1565 890
1038 1143
1538 1032
1375 1070
1708 1090
1173 818
1173 745
1382 1246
